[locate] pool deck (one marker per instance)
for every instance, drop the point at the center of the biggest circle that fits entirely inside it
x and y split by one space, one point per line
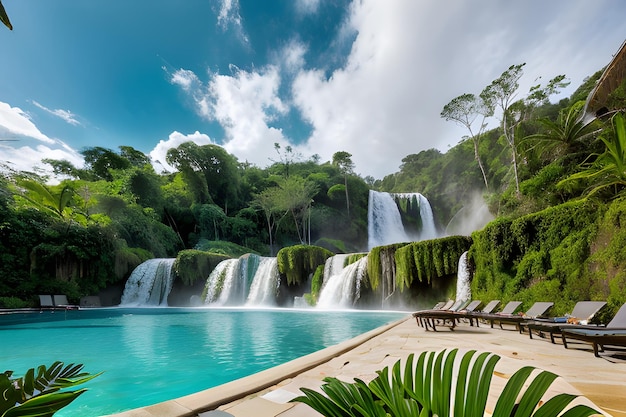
266 394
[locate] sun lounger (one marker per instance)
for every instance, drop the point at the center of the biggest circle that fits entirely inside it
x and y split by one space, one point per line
538 309
45 301
508 310
441 306
613 334
447 317
60 302
582 313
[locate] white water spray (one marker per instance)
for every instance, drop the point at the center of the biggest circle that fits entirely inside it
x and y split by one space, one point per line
149 284
463 290
344 289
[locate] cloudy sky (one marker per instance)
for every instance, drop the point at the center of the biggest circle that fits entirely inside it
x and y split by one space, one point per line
369 77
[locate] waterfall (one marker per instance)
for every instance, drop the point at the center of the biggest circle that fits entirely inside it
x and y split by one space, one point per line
265 283
428 220
463 290
250 280
385 218
342 290
220 282
149 284
334 265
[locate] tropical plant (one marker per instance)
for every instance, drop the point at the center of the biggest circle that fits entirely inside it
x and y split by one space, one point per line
435 386
39 393
608 170
4 18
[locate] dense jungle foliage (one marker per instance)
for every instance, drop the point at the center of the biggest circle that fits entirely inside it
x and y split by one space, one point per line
553 182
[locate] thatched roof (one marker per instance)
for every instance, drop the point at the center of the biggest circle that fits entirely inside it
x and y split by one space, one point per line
613 76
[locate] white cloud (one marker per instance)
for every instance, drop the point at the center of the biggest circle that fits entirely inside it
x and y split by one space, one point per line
307 6
229 17
66 115
158 154
244 104
16 122
408 60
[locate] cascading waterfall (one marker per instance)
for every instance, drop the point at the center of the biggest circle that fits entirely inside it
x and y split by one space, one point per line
250 280
220 282
463 290
265 283
149 284
383 220
342 290
385 223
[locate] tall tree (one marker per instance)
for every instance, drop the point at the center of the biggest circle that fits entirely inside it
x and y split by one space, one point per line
210 167
343 161
501 93
465 110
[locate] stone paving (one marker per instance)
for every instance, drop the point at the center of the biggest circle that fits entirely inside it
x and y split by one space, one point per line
602 381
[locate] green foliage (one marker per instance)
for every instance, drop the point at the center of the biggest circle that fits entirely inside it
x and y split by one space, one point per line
440 385
428 260
192 265
512 257
41 392
380 262
606 173
300 261
12 302
316 285
229 249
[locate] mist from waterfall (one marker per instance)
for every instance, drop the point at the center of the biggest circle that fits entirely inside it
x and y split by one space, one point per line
463 290
343 289
250 280
149 284
385 225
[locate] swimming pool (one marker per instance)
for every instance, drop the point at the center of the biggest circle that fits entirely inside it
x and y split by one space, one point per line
150 355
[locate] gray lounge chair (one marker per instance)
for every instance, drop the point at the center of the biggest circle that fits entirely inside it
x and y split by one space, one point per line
536 310
583 312
60 302
613 334
45 301
426 318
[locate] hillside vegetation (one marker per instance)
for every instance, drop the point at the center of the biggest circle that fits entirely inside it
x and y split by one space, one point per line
553 183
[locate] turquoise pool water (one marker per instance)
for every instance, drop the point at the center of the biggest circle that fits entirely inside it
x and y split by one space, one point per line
150 355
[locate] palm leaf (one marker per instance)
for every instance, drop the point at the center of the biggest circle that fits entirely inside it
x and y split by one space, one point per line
43 405
532 395
4 18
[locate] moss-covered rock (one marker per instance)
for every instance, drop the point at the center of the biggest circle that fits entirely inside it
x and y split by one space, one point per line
298 262
192 265
427 260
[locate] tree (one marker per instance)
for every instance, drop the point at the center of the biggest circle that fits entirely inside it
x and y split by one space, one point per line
501 93
295 197
101 161
210 170
268 202
342 160
465 110
4 18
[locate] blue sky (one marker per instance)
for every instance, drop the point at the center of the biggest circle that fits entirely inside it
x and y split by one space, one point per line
369 77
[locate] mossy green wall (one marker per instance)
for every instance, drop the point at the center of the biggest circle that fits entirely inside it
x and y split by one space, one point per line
192 265
563 254
299 261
